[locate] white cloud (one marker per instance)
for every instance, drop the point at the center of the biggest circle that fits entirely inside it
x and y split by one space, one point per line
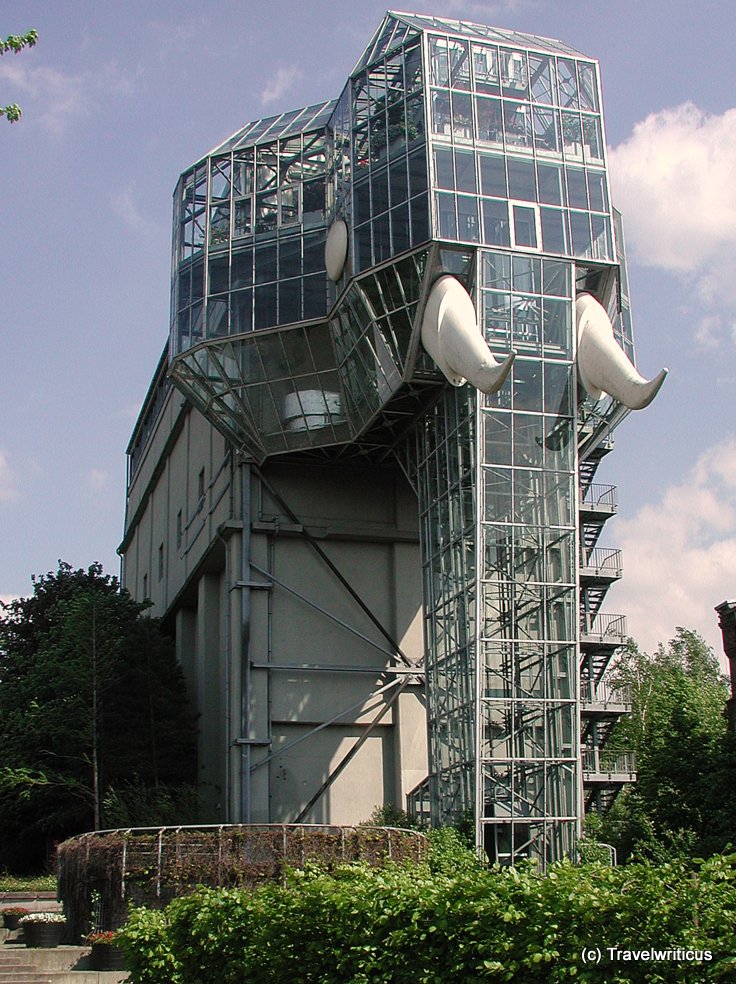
125 206
483 10
673 180
97 479
8 487
680 554
279 85
54 98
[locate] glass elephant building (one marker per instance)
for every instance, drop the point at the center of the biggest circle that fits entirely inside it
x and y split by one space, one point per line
427 274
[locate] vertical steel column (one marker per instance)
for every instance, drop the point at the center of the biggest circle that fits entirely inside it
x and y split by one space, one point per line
245 515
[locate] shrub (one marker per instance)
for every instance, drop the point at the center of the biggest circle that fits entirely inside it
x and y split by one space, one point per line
430 923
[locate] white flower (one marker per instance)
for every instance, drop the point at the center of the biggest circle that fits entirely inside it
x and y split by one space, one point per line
43 917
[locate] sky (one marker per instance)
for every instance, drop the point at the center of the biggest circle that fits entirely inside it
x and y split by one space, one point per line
119 98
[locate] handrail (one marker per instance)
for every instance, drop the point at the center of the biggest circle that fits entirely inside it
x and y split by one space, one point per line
596 760
606 560
603 625
600 495
605 693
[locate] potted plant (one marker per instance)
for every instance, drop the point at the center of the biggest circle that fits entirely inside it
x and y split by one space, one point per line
43 929
12 916
105 954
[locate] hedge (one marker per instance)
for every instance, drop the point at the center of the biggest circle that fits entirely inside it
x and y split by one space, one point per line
447 920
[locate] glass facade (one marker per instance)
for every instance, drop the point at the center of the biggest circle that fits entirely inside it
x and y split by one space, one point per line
249 231
461 149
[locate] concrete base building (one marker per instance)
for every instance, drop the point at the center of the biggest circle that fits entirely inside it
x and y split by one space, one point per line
362 485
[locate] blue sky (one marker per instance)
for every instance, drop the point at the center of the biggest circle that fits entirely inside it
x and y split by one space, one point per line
119 98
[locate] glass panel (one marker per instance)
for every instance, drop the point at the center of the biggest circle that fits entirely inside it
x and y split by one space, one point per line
217 309
467 213
443 168
497 270
567 83
493 175
462 116
577 188
379 191
517 125
290 306
496 223
497 429
572 136
556 278
592 141
556 321
550 184
528 440
546 130
485 68
527 274
521 180
265 265
601 237
459 64
525 227
558 382
527 385
497 312
417 173
588 89
441 112
553 230
580 229
490 120
242 269
446 215
514 74
400 227
597 191
439 62
540 71
398 181
465 171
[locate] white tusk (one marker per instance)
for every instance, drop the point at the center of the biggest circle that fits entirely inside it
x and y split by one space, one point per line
451 335
336 249
603 366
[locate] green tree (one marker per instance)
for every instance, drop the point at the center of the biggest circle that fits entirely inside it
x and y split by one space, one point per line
15 43
93 712
681 802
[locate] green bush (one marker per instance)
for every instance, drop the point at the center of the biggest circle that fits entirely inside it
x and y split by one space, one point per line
433 923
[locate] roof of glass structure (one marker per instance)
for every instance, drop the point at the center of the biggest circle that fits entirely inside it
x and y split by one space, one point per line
397 26
273 127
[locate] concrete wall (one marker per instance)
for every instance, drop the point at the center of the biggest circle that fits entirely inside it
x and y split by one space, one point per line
275 647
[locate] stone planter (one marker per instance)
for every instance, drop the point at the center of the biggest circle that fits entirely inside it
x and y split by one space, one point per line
105 956
11 920
43 935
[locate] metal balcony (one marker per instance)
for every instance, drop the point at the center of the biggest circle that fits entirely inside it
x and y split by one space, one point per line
605 699
601 564
603 630
599 500
600 636
608 768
